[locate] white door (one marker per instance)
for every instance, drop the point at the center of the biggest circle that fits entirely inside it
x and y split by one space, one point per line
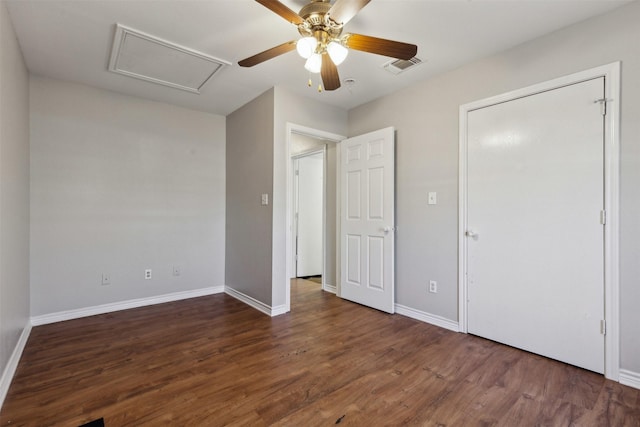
309 204
535 246
367 219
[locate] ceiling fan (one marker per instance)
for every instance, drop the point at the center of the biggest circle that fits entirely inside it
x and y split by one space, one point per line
322 44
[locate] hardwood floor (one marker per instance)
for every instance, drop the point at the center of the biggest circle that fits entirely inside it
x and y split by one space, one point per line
213 361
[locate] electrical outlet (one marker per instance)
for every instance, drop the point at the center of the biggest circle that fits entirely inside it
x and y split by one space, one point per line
433 286
177 270
106 279
147 274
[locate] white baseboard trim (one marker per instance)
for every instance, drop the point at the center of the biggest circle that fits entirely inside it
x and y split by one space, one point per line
12 364
123 305
630 378
258 305
427 317
278 310
330 288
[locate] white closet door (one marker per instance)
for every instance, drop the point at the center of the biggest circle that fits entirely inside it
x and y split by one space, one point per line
535 252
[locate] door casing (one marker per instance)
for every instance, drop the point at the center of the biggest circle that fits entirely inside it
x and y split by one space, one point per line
611 73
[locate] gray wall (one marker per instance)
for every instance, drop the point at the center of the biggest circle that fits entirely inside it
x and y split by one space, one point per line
331 208
14 190
302 144
250 174
119 185
426 119
256 164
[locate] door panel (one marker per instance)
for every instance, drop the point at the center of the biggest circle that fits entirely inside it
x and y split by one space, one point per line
535 255
310 209
353 195
353 259
367 221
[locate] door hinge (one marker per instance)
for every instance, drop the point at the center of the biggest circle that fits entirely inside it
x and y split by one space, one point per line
603 217
603 104
297 172
603 327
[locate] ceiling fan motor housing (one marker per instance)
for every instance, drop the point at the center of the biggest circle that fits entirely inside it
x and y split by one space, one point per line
316 21
316 8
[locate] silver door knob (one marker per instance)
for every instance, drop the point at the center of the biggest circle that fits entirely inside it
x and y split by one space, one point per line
386 229
472 234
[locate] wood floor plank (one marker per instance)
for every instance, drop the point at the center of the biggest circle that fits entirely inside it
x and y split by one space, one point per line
214 361
617 405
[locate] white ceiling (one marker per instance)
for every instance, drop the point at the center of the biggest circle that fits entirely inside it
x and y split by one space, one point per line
71 40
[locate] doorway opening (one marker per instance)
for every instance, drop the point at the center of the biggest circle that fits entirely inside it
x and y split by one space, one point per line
309 194
305 146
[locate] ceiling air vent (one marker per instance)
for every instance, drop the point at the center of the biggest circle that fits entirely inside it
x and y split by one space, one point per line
398 66
139 55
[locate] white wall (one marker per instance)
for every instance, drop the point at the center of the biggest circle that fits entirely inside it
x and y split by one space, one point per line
119 185
426 119
14 191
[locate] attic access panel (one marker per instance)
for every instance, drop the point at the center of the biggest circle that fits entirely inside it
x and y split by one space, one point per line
139 55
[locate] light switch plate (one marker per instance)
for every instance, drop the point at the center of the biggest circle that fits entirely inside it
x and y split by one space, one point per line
265 199
106 279
432 198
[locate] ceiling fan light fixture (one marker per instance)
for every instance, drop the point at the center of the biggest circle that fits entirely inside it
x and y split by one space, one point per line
322 44
314 63
306 46
337 52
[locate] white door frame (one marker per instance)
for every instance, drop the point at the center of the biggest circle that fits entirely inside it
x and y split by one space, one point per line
293 128
611 73
294 200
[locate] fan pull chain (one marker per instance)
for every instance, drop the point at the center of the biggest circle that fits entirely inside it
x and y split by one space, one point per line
310 83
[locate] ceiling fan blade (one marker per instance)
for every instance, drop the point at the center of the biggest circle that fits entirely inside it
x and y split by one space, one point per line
267 54
282 10
329 73
384 47
343 10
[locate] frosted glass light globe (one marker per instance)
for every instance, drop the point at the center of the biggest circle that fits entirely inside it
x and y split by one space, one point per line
314 63
306 46
337 52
